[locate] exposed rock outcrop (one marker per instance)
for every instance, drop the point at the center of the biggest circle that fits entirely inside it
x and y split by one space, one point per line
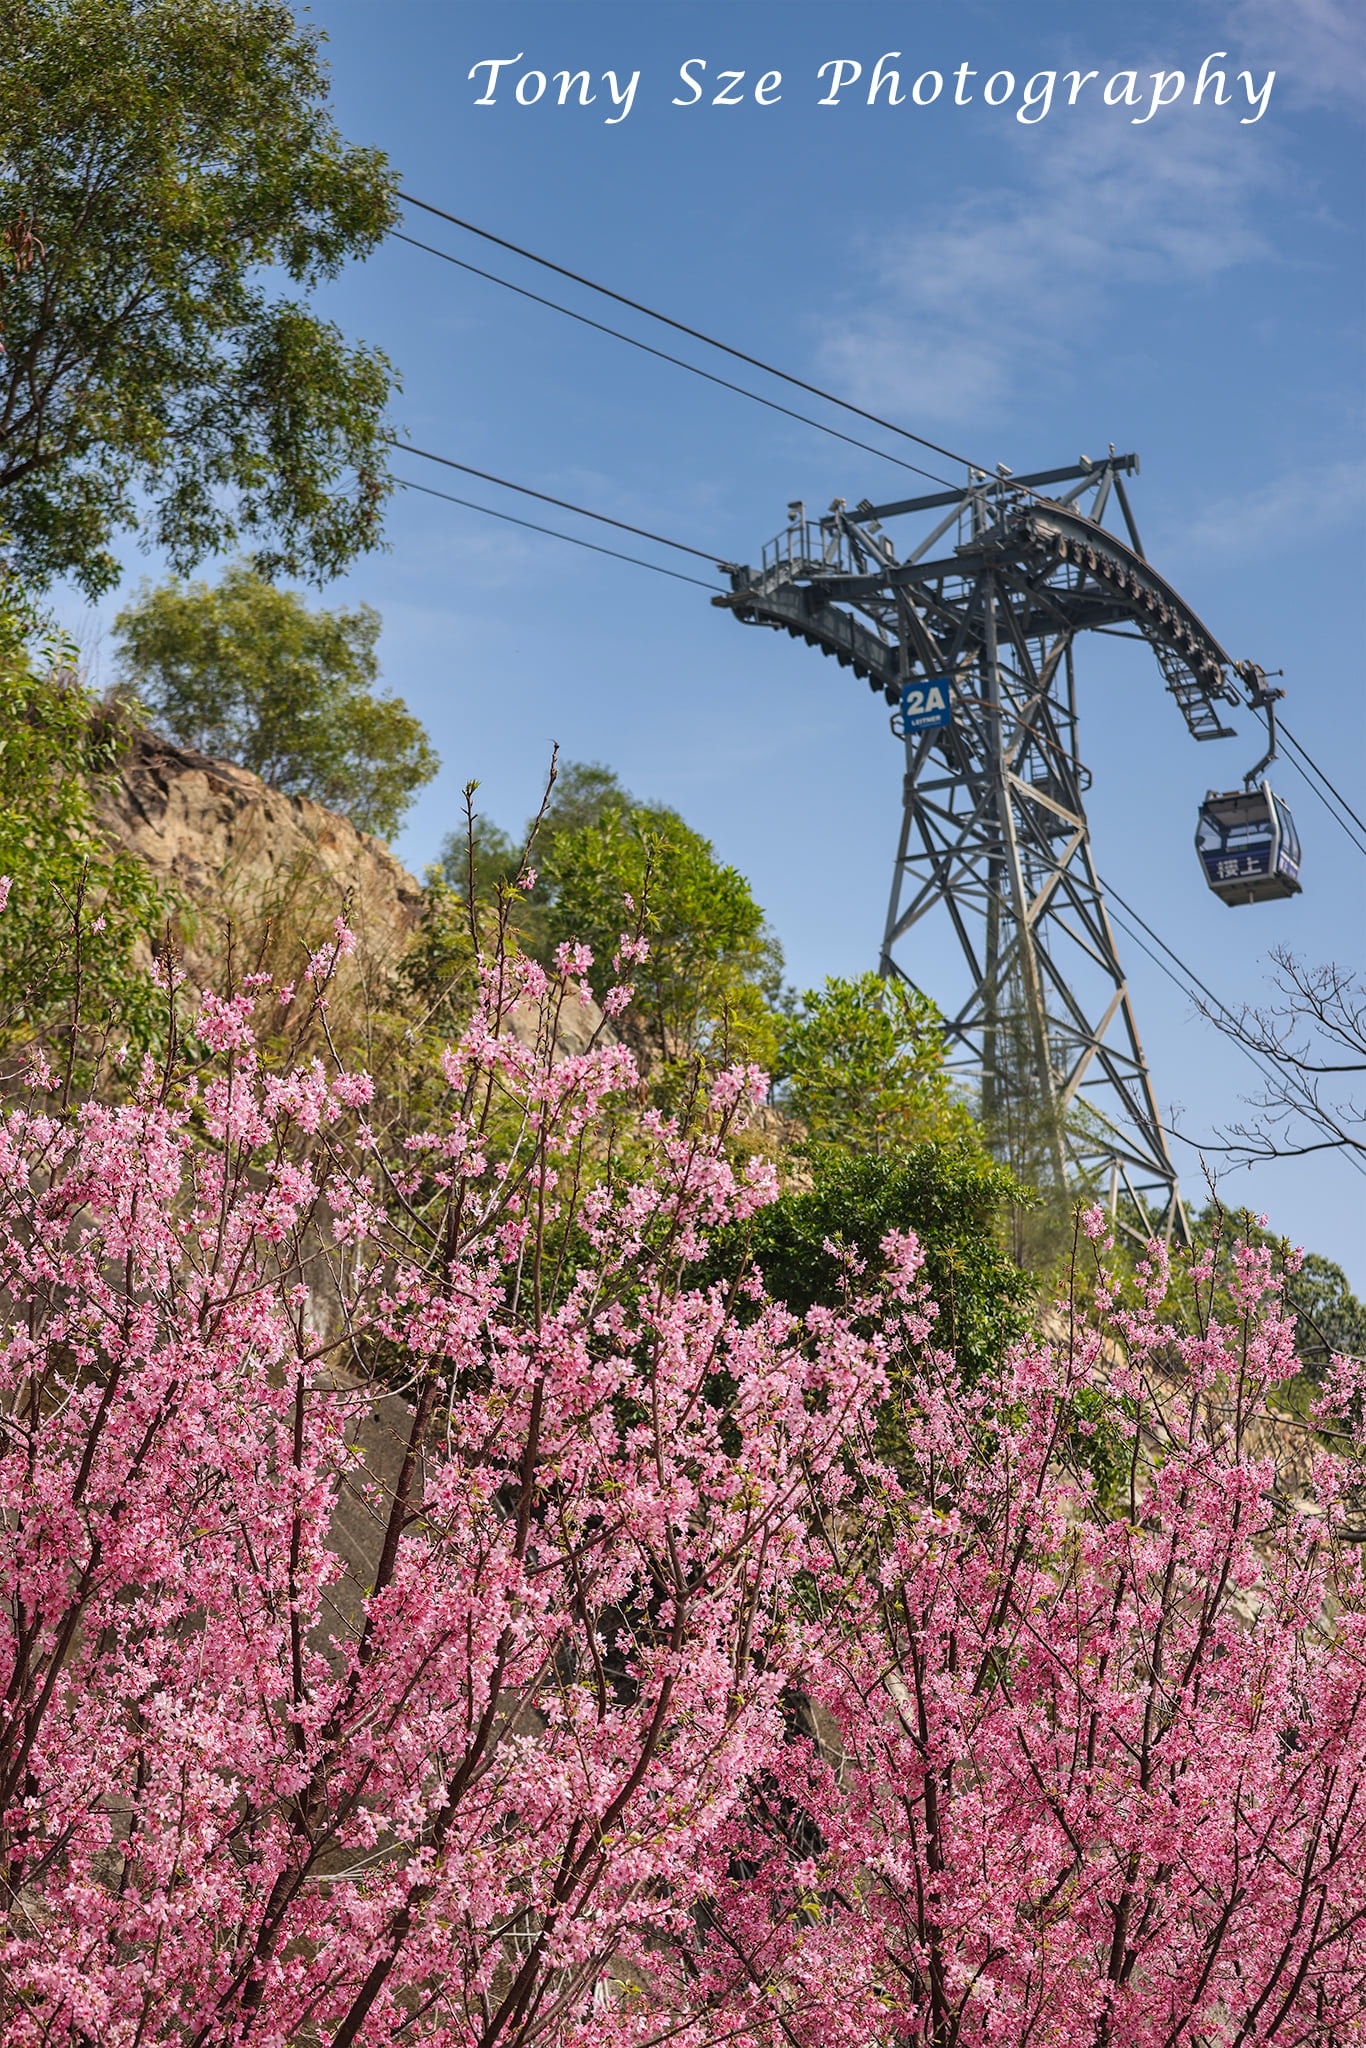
272 871
243 855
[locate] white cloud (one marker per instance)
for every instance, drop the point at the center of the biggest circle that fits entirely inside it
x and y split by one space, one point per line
1293 507
1014 280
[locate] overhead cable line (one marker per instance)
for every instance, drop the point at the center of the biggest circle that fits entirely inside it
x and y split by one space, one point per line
1328 805
1264 1066
406 484
1287 734
696 334
486 476
663 356
1189 972
1311 767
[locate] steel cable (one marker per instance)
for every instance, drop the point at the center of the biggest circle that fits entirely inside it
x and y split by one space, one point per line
564 504
696 334
663 356
1264 1066
1286 733
1308 769
406 484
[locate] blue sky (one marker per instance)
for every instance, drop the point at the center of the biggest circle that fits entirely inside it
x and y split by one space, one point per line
1188 286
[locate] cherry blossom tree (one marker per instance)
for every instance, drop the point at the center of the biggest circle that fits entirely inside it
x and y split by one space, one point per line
243 1801
704 1675
1087 1752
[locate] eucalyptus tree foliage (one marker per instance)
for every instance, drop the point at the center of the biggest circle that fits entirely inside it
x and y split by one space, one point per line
172 185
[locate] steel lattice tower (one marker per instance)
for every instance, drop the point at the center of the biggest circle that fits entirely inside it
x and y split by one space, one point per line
971 633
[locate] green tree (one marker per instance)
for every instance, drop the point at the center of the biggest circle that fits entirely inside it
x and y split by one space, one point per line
606 864
950 1193
497 860
713 971
862 1066
888 1145
76 908
157 159
1329 1316
247 672
580 794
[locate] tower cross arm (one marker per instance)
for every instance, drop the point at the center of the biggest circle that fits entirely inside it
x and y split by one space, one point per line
1074 472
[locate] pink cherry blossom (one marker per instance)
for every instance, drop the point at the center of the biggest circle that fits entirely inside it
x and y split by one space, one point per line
434 1613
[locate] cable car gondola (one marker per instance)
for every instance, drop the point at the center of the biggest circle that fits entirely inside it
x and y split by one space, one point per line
1248 845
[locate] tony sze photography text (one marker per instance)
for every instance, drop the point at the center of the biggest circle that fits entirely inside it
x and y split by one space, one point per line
881 82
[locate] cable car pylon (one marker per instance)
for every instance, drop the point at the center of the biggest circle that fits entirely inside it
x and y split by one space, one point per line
970 633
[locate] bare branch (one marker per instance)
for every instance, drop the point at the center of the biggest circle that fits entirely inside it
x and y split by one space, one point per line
1321 1011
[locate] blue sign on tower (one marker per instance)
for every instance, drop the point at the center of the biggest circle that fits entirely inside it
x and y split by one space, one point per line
928 705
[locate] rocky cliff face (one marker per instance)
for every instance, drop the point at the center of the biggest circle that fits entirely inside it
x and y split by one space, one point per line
250 861
263 875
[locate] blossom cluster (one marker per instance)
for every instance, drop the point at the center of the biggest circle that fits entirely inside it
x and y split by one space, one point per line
433 1613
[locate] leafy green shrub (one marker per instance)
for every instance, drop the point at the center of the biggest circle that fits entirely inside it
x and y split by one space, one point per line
606 864
949 1192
